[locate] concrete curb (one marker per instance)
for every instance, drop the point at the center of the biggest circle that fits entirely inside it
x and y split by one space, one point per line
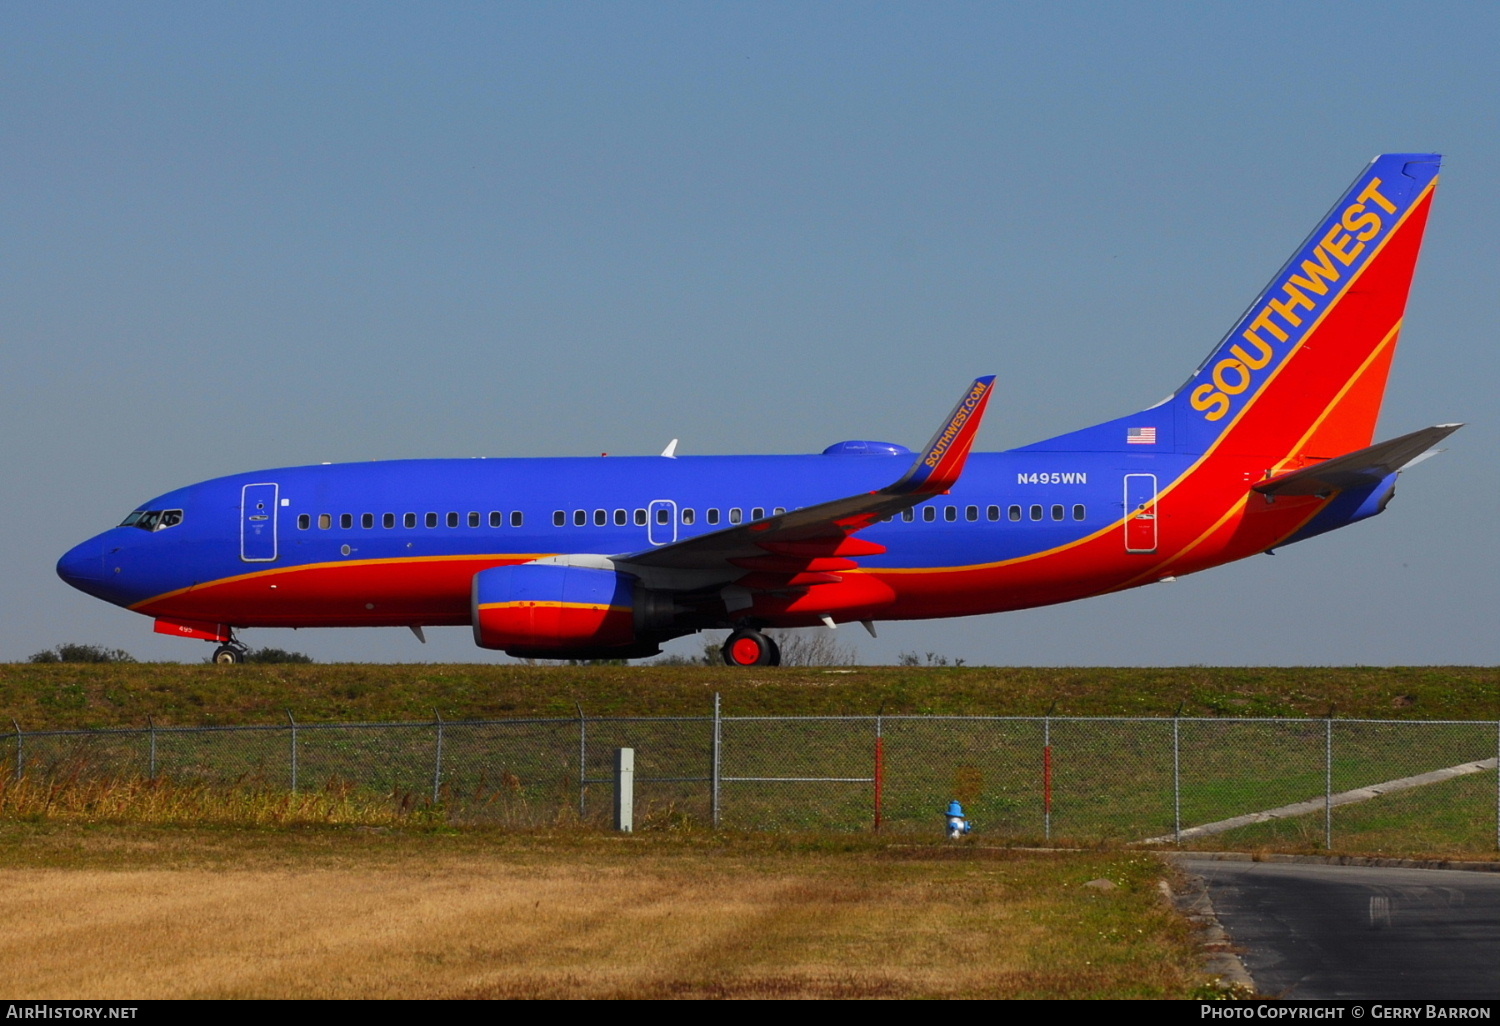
1336 860
1219 957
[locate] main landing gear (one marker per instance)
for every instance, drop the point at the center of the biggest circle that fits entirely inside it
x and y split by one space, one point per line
747 647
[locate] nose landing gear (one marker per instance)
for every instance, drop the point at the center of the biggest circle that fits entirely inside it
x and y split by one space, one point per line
230 653
747 647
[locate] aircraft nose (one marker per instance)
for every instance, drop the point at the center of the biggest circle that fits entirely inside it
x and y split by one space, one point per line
82 566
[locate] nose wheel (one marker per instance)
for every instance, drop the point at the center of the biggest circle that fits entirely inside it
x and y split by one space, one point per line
229 655
750 648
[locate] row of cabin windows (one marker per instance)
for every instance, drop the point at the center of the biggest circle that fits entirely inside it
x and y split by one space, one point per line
1034 512
622 518
388 520
688 516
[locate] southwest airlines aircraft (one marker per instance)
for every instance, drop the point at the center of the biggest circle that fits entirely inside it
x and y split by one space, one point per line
1268 443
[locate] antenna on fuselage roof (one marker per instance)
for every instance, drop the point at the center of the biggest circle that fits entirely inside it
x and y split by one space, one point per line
670 452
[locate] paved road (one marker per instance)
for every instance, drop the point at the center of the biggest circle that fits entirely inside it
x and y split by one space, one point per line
1318 932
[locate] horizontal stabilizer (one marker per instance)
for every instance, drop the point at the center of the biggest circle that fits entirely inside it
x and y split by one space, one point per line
1365 467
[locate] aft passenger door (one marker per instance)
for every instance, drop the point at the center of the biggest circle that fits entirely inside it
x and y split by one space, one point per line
1140 512
258 506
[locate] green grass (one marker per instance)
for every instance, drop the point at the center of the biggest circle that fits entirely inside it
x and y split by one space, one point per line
1111 780
1452 819
106 695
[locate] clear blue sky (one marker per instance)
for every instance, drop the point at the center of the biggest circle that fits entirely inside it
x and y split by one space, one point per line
241 236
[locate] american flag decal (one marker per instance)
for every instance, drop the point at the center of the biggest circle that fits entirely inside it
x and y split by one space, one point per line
1140 436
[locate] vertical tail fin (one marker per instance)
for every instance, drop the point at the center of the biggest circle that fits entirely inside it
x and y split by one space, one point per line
1304 370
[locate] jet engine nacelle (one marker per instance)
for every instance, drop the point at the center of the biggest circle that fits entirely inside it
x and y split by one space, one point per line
554 611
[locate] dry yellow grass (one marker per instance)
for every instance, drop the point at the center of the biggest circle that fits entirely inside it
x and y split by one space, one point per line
72 797
369 917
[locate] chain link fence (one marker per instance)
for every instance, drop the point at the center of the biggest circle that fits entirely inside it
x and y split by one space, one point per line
1357 784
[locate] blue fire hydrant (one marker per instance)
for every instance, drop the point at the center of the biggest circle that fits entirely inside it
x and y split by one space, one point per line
958 825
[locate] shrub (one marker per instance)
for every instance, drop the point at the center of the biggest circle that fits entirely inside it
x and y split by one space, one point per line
275 655
69 653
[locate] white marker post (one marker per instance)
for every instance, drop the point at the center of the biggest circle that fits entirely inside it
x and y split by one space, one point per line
625 790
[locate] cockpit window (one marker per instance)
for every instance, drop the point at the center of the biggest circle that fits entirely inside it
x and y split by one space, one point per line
153 519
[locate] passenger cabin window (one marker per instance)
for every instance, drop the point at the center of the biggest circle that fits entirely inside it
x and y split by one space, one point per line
688 516
367 520
601 518
758 513
640 518
325 521
663 515
992 512
388 520
304 522
409 520
517 518
950 513
929 513
346 520
1057 512
1014 513
497 518
1078 512
431 520
713 515
452 519
621 518
781 511
908 515
580 517
735 515
971 512
559 518
1036 512
473 519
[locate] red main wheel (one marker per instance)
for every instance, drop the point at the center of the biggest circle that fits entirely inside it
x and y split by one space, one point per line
748 648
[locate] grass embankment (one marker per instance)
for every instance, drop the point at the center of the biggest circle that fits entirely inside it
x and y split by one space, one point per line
94 695
325 913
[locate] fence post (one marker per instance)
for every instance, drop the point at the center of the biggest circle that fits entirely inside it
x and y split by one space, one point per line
879 770
625 790
1177 775
583 761
1047 774
1328 781
715 758
294 749
437 767
151 724
20 762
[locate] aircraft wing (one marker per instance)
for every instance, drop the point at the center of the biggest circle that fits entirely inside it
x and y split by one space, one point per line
1364 467
807 546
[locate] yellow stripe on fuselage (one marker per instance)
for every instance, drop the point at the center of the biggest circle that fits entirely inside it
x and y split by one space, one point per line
498 557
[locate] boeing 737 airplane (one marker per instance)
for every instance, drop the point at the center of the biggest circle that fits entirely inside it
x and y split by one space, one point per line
1267 443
